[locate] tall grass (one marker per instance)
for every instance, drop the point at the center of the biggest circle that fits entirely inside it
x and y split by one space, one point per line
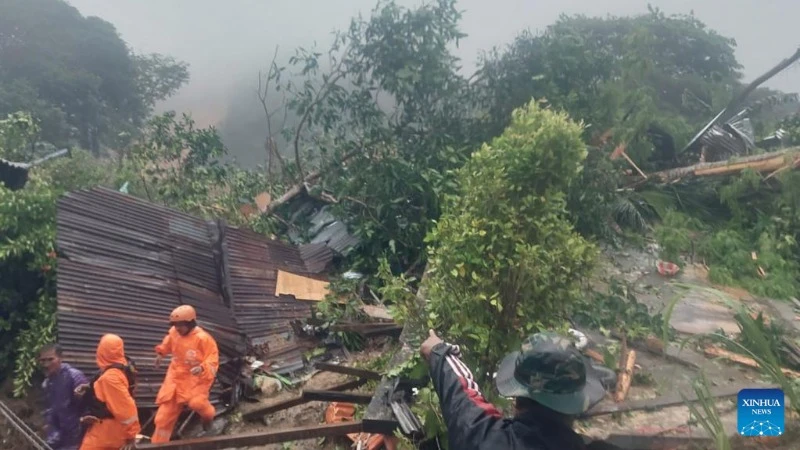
705 412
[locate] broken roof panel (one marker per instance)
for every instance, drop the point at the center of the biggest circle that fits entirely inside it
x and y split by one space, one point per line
252 266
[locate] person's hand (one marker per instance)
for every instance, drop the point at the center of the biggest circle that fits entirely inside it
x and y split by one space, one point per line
427 347
129 445
196 370
80 391
89 420
159 358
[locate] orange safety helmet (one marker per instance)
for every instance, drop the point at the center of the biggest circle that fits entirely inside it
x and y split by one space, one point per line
183 313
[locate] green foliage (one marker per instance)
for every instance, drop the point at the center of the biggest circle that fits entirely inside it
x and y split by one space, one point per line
503 255
707 413
675 235
27 261
622 72
619 308
76 75
761 351
729 253
394 104
174 163
18 134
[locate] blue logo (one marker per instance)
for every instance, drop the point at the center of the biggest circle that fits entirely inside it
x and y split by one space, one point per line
760 412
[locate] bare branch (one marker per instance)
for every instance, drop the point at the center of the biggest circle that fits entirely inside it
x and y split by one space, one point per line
263 93
322 94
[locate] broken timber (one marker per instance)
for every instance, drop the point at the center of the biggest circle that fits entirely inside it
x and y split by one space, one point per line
766 162
716 352
357 398
257 439
666 401
336 368
298 400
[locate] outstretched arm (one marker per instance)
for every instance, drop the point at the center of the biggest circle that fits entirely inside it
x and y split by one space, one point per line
469 417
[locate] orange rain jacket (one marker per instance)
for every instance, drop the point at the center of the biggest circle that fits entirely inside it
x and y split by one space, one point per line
112 389
196 348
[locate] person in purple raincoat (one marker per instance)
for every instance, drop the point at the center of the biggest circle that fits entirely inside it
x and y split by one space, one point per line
63 409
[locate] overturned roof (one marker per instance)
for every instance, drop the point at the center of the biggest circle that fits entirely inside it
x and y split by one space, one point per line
125 263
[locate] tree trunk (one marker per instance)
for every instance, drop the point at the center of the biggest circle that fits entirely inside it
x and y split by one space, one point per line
298 188
767 162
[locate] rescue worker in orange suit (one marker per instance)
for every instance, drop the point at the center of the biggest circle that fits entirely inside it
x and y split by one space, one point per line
117 425
195 359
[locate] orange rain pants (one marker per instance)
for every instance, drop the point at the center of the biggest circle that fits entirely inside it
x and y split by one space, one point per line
180 387
112 389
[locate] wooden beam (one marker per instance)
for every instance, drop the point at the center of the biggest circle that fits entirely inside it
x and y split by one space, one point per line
258 439
716 352
258 413
361 373
357 398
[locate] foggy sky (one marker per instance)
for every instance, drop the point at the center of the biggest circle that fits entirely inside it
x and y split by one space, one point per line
226 42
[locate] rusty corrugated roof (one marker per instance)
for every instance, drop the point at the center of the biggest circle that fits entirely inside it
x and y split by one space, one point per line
253 264
125 263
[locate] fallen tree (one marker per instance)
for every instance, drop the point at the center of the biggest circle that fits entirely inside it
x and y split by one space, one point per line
764 163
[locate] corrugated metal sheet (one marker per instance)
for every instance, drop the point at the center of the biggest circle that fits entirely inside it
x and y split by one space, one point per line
253 264
317 257
722 143
126 263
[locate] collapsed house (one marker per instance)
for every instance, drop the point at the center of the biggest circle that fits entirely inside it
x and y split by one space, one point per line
125 263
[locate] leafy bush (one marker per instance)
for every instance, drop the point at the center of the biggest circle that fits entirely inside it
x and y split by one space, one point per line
503 255
675 235
729 253
28 225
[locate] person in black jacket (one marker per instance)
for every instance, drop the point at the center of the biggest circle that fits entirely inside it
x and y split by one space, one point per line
551 384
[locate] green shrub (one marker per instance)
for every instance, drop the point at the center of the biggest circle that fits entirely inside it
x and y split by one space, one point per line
504 259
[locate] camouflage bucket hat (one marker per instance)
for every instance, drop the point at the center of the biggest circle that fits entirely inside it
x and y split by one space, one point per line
551 371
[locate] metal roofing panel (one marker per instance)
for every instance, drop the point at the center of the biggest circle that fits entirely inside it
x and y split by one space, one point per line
125 263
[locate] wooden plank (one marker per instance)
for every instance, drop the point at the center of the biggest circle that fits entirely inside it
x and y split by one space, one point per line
271 409
258 439
259 413
350 385
357 398
716 352
625 376
336 368
654 346
667 400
